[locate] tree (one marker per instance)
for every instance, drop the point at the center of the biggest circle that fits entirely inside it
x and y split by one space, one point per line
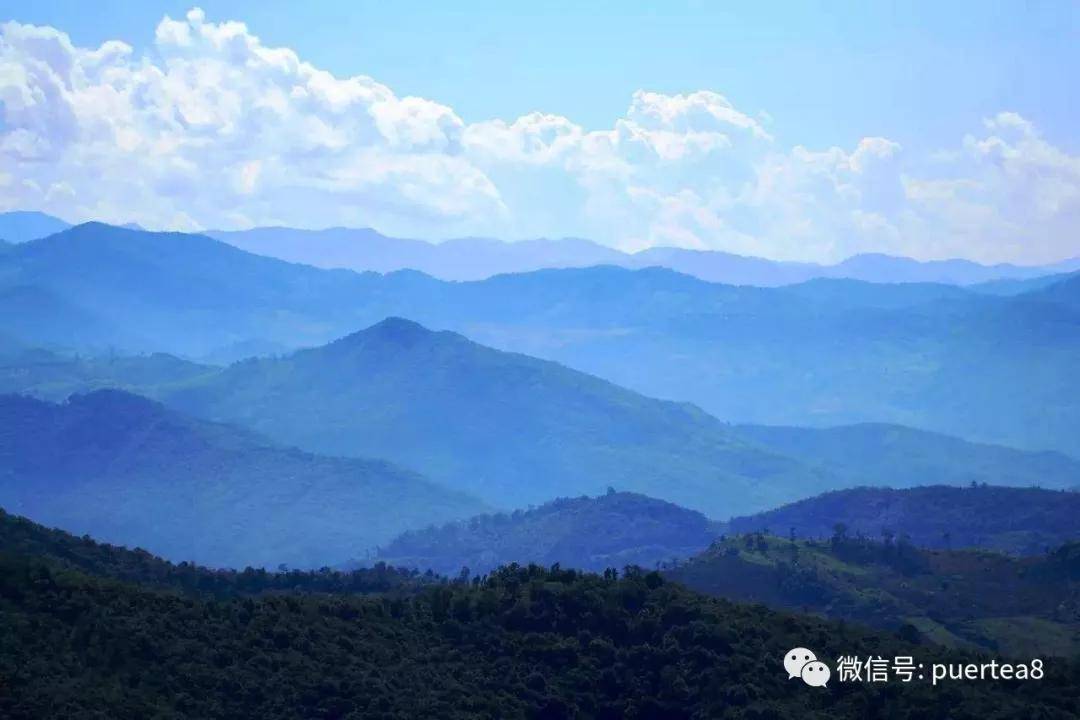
839 532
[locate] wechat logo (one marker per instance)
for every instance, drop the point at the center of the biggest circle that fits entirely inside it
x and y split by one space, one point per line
802 663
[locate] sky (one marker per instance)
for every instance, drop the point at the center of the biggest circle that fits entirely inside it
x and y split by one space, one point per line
805 131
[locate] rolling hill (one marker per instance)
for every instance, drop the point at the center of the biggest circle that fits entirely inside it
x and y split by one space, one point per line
1026 521
609 531
619 528
507 428
128 471
1017 607
63 552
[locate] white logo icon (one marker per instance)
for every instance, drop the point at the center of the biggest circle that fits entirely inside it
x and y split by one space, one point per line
816 673
803 663
795 659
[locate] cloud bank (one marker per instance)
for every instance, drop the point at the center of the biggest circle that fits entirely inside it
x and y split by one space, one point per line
212 129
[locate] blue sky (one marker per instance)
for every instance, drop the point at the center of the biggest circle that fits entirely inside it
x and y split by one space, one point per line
927 77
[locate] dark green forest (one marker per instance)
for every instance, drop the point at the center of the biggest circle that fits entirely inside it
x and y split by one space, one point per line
973 599
520 642
1013 520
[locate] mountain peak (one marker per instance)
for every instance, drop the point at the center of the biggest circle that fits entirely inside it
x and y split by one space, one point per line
393 329
20 226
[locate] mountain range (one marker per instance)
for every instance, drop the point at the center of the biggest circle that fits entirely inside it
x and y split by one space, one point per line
480 258
90 631
127 470
513 430
471 258
619 528
822 353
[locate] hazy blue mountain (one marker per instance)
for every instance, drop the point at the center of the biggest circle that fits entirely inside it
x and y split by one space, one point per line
722 267
878 268
1066 292
827 352
507 428
244 349
897 456
128 471
609 531
55 376
356 249
982 367
186 294
480 258
458 259
1024 521
19 226
835 294
40 317
1014 286
516 430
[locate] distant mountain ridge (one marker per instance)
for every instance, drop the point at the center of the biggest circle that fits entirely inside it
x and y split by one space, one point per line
480 258
20 226
471 258
899 457
129 471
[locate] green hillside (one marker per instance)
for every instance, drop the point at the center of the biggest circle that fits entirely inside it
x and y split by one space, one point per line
958 598
128 471
61 552
609 531
519 644
1025 521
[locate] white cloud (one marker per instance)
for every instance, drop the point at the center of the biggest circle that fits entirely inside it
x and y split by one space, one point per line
211 128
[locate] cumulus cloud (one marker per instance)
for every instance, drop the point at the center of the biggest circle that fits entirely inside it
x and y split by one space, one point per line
212 128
